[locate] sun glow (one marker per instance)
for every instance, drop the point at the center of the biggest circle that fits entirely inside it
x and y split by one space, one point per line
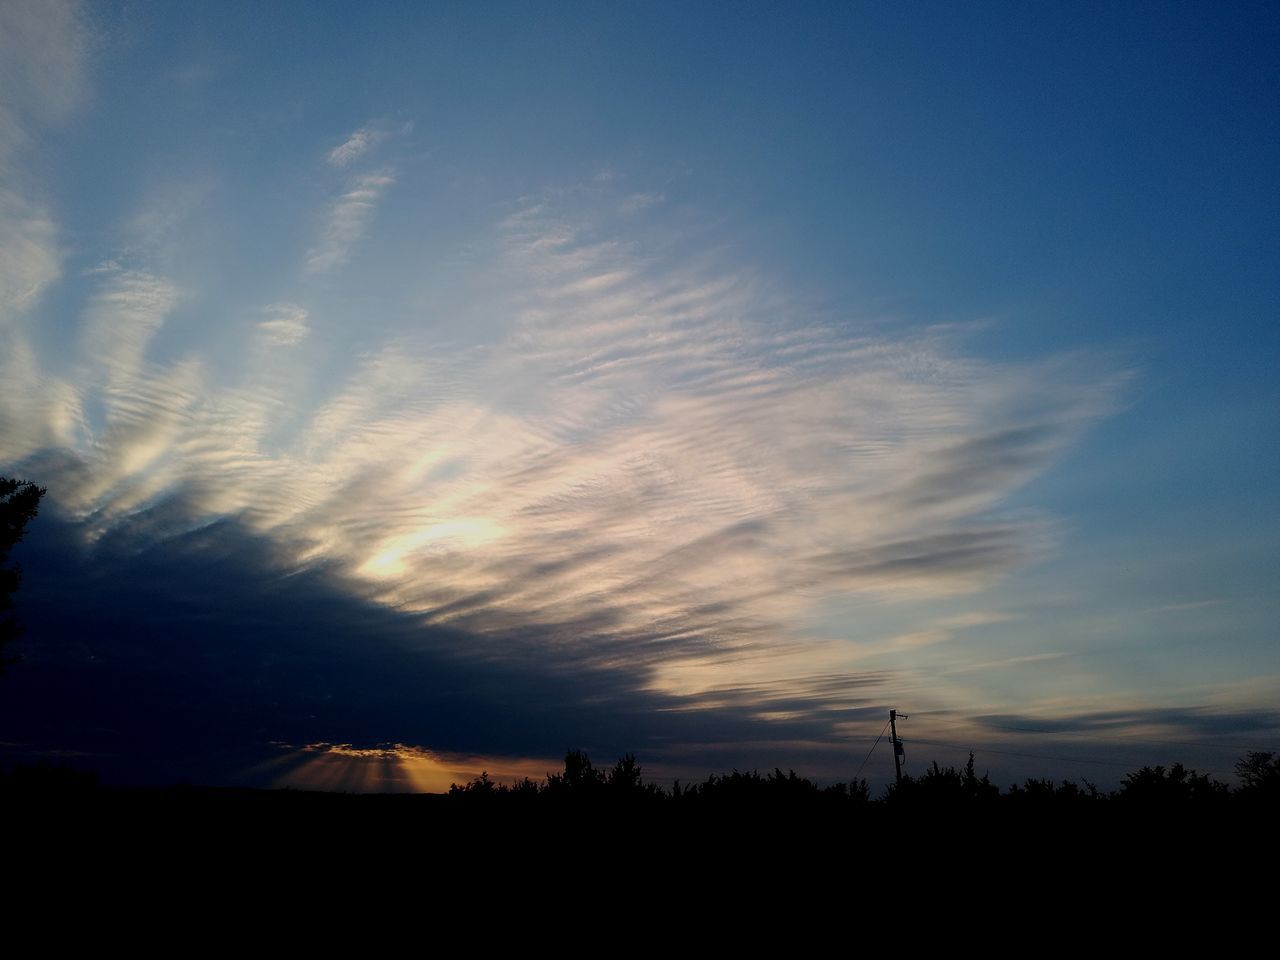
394 558
390 768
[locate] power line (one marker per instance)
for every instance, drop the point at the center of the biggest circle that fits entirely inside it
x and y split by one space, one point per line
1026 756
869 752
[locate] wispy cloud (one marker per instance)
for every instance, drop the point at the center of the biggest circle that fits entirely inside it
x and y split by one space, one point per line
356 146
636 202
577 439
988 665
169 206
1194 721
347 221
42 53
1189 605
286 324
656 467
121 321
31 261
42 58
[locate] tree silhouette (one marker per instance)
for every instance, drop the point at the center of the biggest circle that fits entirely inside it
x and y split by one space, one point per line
1259 774
19 502
1156 786
580 779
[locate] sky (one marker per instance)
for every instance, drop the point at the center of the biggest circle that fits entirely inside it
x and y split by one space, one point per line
422 388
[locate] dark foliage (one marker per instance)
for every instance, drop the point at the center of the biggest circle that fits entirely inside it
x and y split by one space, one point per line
945 787
1259 775
582 784
1044 793
19 503
1152 786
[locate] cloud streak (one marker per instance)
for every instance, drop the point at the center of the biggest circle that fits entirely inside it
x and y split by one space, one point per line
42 52
286 324
355 146
42 68
347 221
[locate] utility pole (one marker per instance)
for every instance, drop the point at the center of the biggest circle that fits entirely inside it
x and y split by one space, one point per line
897 745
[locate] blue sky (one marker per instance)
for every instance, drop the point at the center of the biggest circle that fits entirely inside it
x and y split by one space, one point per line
698 380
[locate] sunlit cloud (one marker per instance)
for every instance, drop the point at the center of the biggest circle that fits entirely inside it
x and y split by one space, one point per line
652 466
649 461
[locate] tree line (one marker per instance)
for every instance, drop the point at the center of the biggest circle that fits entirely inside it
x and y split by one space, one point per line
583 783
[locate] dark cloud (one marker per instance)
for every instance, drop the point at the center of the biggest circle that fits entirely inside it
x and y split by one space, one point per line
1099 746
192 652
186 655
978 550
1190 721
982 465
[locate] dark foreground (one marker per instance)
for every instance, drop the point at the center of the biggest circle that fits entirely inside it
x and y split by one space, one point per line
758 861
1154 807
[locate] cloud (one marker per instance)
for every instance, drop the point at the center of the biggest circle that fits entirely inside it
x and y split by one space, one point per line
127 312
636 202
1195 722
1189 605
347 221
203 655
638 492
987 665
937 559
646 465
168 209
31 260
42 53
355 146
286 324
43 46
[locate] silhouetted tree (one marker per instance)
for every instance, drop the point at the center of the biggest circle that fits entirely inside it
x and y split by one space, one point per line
858 791
625 775
1044 792
19 502
1259 774
580 778
976 788
943 787
1155 786
524 787
480 786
